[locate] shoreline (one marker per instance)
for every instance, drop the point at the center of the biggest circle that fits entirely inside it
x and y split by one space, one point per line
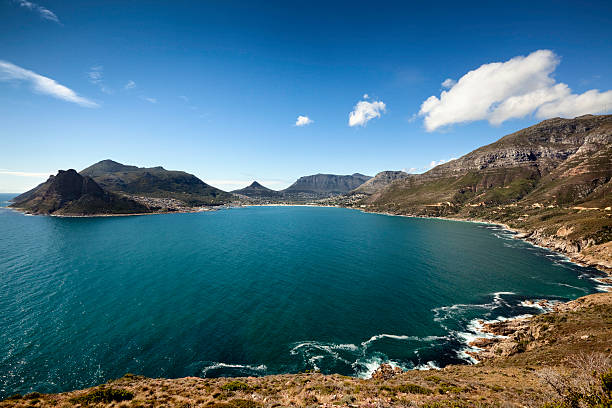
518 234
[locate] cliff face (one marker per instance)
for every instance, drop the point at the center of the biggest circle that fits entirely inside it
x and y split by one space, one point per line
380 181
560 161
69 193
326 184
155 182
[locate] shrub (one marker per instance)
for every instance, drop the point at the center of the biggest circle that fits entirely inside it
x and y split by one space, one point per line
105 395
413 389
235 386
588 383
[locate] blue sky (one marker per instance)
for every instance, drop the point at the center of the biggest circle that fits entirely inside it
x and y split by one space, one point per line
215 87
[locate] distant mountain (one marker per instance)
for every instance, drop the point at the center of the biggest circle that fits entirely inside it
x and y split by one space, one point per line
155 182
69 193
558 162
326 184
256 190
380 181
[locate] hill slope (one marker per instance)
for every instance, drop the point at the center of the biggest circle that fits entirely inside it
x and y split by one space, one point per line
69 193
540 180
380 181
155 182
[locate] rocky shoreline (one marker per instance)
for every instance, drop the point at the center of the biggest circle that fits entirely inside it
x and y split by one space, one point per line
520 362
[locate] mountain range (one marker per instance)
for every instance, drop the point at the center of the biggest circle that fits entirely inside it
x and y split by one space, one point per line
155 182
553 181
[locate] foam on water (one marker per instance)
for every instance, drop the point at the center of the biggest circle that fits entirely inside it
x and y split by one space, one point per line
241 368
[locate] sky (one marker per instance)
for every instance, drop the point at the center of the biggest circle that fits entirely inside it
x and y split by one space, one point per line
273 90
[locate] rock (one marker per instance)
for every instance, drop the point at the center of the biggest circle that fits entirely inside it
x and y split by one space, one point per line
385 372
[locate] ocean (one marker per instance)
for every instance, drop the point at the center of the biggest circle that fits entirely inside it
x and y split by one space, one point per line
256 291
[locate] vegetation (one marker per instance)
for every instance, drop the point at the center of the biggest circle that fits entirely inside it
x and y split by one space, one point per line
103 395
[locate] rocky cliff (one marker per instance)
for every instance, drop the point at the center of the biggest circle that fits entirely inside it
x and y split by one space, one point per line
380 181
69 193
326 184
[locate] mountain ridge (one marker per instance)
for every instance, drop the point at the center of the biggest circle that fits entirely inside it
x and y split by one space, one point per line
155 182
70 193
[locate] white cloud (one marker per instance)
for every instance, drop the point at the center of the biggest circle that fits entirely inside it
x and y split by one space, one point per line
513 89
435 163
96 77
303 121
24 173
41 84
448 83
150 100
366 96
591 101
184 98
43 12
365 111
130 85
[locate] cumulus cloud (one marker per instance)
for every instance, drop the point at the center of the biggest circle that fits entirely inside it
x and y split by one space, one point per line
43 12
500 91
303 121
41 84
365 111
591 101
130 85
448 83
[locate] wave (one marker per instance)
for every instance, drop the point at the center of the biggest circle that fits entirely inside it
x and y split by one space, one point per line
602 285
240 367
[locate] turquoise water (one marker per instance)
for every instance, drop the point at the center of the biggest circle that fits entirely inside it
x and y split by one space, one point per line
254 291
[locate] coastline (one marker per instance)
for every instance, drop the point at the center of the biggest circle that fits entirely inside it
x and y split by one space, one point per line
510 373
523 235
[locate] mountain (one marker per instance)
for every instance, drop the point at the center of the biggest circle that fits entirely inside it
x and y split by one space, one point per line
326 184
256 190
558 162
380 181
551 181
155 182
69 193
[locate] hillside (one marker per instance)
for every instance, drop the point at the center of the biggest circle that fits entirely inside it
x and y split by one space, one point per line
155 182
69 193
551 181
323 185
559 359
380 181
256 190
